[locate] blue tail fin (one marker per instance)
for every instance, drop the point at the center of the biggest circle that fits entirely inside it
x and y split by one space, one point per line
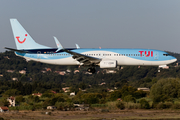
22 39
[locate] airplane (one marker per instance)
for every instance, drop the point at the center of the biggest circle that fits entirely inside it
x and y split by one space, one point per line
104 58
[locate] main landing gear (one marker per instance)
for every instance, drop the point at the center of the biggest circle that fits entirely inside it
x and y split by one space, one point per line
91 69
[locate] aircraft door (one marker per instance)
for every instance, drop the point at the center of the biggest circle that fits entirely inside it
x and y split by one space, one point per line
102 55
39 55
156 55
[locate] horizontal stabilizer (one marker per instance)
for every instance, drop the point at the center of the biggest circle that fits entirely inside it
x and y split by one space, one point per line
21 51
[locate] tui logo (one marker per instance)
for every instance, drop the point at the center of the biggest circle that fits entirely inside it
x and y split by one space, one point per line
21 41
147 53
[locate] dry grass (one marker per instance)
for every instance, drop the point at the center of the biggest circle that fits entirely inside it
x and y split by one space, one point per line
92 115
131 105
112 105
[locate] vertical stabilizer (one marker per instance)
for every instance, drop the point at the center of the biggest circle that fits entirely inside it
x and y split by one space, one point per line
22 39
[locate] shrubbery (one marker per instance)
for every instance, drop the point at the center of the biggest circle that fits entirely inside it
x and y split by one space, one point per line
161 105
120 105
166 105
169 104
176 106
144 104
130 98
64 105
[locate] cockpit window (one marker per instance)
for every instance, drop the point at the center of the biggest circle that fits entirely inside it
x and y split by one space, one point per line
166 54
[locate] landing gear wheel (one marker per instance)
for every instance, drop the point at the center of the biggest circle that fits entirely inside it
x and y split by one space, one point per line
92 70
89 69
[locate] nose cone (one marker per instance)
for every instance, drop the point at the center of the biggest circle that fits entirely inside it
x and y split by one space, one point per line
174 59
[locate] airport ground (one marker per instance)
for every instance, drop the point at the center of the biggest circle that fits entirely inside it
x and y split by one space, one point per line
135 114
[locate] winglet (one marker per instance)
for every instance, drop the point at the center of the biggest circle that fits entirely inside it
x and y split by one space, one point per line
77 46
59 46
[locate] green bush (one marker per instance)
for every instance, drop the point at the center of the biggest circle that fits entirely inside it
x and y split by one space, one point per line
144 104
19 99
115 95
161 105
23 107
1 118
161 98
64 105
49 95
169 104
176 106
129 98
120 105
91 98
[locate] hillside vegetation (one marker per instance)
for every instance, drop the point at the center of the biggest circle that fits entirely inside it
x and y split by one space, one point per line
97 90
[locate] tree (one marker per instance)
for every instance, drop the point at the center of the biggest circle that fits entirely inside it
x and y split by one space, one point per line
12 92
23 78
36 99
49 95
127 90
168 87
139 94
82 86
129 98
19 99
144 104
115 95
91 98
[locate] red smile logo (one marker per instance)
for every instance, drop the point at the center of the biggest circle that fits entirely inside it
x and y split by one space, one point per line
21 41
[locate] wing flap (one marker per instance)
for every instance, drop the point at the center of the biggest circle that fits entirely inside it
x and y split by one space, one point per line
86 60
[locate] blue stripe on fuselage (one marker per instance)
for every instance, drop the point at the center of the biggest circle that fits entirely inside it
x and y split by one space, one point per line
155 55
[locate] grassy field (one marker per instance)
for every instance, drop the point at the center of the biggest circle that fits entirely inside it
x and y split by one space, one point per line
92 115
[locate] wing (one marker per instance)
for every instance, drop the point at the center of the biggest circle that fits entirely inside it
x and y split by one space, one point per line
83 59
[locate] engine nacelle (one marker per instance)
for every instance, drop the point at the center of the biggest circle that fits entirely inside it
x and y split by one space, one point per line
108 64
